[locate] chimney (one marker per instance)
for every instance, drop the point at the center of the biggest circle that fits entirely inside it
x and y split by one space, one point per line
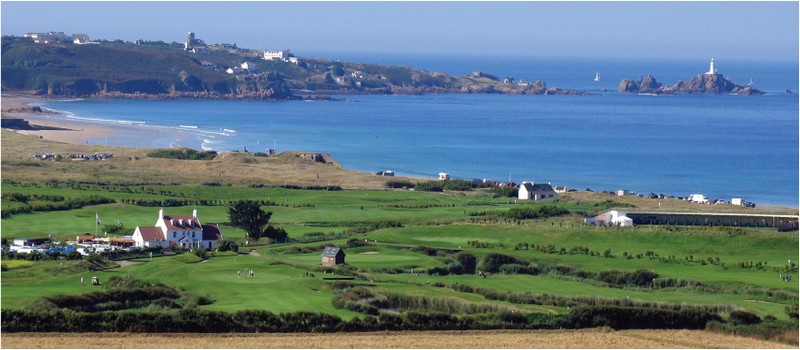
160 213
194 213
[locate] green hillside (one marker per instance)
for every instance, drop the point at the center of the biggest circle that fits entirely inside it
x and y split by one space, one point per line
146 68
125 68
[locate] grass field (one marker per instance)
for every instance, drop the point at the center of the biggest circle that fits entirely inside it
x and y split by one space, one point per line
735 268
279 284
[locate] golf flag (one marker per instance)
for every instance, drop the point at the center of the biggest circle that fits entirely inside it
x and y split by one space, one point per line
97 217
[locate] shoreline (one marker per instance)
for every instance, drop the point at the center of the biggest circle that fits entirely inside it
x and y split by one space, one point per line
72 132
91 133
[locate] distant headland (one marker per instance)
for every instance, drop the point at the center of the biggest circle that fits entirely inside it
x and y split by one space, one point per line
57 65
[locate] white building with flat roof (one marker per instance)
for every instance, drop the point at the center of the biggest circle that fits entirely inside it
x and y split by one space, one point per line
282 55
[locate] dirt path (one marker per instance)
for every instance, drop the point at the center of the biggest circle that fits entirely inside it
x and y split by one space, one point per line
587 338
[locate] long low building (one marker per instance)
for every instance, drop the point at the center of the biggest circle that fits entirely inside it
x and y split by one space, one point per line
783 222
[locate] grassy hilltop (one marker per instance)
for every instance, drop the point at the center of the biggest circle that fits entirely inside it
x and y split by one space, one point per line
410 254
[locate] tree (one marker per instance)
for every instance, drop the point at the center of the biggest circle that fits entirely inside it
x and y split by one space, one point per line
276 235
226 245
248 216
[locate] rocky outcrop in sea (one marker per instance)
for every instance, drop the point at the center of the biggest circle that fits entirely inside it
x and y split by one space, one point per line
701 84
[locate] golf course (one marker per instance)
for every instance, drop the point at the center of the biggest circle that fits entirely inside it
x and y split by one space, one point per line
475 256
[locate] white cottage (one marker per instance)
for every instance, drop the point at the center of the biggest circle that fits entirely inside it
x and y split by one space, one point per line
183 231
534 191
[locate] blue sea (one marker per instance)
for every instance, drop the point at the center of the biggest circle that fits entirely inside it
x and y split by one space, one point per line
721 146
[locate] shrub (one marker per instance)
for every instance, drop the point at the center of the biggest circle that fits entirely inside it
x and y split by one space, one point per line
399 184
356 242
622 317
505 191
429 321
492 262
124 282
276 234
744 317
459 185
544 211
201 253
619 278
117 229
116 299
467 261
429 186
227 245
74 255
258 321
387 321
182 153
303 321
519 269
792 310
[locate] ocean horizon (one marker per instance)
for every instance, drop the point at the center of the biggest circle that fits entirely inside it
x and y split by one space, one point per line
719 145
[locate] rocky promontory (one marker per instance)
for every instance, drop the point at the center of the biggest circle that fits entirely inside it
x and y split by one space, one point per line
701 84
157 70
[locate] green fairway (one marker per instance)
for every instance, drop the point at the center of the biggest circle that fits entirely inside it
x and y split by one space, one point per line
392 238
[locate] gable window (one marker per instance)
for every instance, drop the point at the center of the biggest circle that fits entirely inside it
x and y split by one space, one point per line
174 234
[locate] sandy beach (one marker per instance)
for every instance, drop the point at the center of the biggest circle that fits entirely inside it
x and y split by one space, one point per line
62 130
75 132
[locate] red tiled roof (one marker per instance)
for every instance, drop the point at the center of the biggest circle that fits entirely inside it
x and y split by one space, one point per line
151 233
211 233
187 223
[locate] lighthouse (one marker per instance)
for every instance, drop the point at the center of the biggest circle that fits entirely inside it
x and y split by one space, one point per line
711 70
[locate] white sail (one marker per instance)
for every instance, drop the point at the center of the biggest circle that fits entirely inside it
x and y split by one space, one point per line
597 76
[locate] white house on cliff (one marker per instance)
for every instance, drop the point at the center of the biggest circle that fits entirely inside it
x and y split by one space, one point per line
183 231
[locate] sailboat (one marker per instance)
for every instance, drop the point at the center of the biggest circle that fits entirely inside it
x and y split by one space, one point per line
597 76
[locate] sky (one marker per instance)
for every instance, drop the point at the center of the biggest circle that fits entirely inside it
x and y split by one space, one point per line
725 30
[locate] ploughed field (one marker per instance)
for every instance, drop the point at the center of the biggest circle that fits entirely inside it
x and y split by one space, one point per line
455 253
497 339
